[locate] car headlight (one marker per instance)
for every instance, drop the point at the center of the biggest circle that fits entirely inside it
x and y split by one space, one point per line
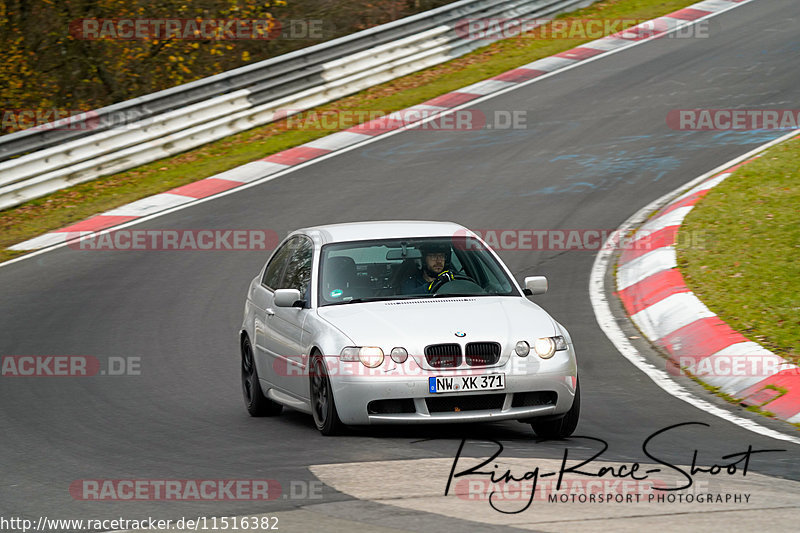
370 356
349 353
522 349
546 347
399 355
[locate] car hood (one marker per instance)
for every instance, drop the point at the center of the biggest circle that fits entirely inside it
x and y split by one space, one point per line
417 323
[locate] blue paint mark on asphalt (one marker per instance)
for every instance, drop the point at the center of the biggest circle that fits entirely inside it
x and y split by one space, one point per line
603 165
607 169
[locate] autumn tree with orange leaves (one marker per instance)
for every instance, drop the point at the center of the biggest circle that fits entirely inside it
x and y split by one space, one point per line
46 64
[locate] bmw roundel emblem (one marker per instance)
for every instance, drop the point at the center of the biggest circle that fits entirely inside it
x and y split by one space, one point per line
460 334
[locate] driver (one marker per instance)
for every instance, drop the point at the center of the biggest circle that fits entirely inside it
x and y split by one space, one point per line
434 272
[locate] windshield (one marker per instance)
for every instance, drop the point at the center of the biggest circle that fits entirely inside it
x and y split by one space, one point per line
409 268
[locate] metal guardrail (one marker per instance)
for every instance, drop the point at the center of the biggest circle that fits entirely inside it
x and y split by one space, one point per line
184 117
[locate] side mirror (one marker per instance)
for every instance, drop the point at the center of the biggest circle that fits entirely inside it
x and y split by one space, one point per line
535 285
286 297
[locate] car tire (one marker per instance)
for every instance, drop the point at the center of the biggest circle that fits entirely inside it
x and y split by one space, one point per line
563 427
257 404
323 406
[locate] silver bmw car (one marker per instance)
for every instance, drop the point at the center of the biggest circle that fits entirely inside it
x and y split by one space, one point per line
403 322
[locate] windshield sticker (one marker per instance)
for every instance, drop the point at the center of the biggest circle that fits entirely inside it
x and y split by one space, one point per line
335 293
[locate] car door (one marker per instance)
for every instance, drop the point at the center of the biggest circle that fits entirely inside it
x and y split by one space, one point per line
262 300
284 325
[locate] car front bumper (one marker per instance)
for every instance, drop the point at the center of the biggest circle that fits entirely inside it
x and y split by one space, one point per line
353 394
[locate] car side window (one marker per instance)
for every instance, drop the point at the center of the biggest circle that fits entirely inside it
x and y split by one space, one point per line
275 268
298 269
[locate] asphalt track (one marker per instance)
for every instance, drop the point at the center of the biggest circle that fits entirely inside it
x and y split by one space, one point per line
596 149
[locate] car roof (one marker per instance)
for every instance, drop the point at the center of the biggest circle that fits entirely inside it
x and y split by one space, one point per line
384 229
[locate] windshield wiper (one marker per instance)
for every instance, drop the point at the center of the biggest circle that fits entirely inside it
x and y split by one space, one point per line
363 300
453 294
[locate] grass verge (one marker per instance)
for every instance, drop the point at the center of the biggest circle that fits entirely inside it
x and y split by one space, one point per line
81 201
747 268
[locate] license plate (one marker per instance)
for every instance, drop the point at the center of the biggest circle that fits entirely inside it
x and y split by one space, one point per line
466 383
